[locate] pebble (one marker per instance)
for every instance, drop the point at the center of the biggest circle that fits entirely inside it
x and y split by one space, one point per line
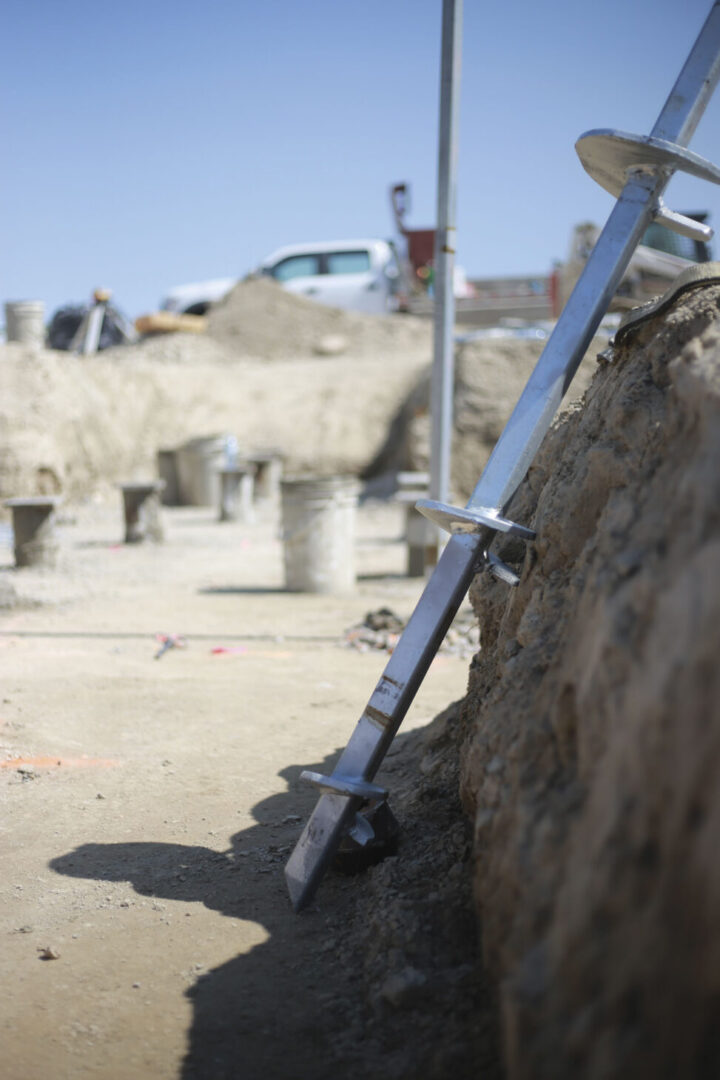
48 953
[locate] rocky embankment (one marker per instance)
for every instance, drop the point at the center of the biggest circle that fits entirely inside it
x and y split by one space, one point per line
592 759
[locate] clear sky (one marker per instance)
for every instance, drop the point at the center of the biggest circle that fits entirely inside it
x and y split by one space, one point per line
151 143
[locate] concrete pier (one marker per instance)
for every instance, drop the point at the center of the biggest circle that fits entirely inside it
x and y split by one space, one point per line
236 493
418 531
141 506
268 473
33 518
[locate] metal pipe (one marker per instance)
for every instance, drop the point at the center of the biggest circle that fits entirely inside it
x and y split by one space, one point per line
441 388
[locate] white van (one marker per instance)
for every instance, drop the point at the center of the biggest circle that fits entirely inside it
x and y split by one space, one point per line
358 275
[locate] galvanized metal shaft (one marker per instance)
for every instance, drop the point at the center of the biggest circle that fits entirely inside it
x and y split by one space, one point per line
508 464
441 383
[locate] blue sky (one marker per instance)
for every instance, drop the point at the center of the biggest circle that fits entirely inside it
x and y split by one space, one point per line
152 143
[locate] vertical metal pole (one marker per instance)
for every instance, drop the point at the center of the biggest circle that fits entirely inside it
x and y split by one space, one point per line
441 387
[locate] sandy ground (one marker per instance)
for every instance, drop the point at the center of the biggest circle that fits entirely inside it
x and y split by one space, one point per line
148 806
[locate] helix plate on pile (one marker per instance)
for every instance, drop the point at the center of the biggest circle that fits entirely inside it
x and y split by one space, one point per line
609 156
456 519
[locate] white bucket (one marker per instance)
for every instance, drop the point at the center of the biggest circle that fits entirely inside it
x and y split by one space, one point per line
318 522
25 322
198 462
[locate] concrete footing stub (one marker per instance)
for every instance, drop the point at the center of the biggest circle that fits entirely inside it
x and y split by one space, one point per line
141 508
33 519
236 493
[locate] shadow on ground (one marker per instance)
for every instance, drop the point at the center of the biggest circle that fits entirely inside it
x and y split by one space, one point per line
234 590
311 1003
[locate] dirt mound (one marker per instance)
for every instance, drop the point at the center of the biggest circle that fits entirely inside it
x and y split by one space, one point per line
258 318
489 378
69 423
592 770
181 348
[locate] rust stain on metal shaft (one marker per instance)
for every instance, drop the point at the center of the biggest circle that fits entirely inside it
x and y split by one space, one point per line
393 682
377 716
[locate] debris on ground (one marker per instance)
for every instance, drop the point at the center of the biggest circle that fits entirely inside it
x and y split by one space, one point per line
48 953
169 641
381 630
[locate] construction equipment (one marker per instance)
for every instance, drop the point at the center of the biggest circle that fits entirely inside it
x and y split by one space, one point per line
656 261
88 328
639 169
419 243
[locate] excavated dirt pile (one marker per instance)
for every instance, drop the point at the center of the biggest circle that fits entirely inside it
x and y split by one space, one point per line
276 370
258 318
489 378
592 766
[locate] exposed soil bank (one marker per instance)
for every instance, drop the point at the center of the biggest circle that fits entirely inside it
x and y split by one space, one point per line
489 377
593 765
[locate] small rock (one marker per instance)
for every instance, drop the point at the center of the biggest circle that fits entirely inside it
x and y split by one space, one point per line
48 953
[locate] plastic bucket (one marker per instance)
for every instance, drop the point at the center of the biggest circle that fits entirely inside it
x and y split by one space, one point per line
198 463
25 322
318 523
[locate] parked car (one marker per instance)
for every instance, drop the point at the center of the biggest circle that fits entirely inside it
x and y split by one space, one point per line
195 299
358 275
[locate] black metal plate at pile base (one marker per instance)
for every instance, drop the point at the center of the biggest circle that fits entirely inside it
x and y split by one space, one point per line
353 858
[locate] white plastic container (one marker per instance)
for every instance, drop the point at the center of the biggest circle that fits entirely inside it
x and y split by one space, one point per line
25 322
199 462
318 522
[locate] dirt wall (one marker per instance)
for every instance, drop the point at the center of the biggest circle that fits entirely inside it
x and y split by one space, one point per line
71 424
591 771
489 377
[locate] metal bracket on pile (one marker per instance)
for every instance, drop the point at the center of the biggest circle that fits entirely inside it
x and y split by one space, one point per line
345 785
361 831
636 169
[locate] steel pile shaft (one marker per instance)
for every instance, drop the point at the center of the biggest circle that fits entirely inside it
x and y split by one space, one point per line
441 382
505 469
